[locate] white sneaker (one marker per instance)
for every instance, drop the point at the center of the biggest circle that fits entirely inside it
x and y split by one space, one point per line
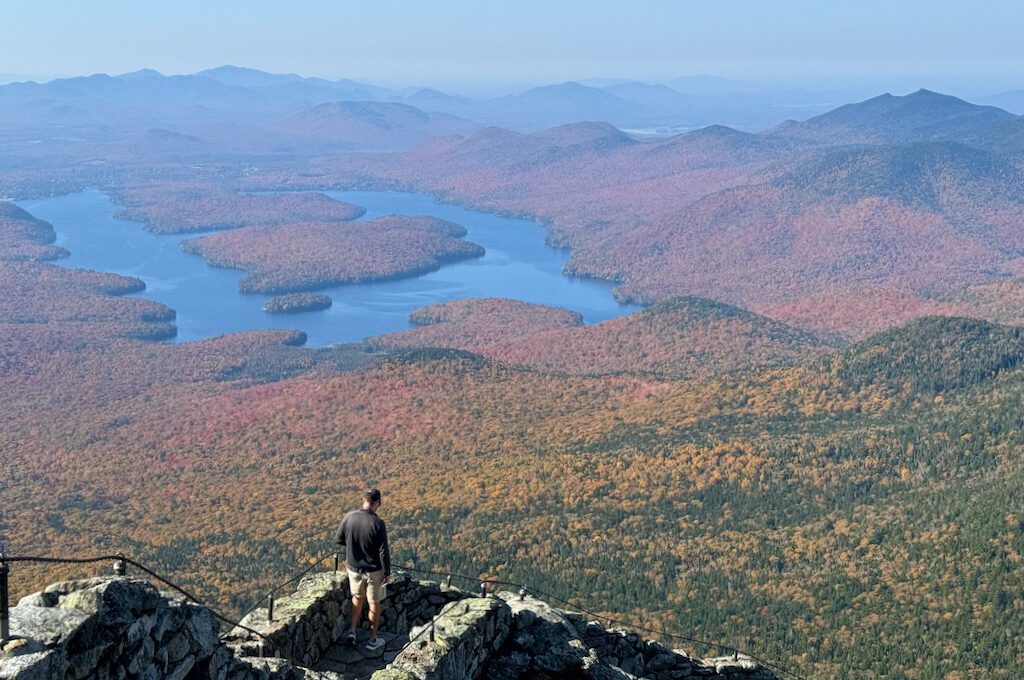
374 645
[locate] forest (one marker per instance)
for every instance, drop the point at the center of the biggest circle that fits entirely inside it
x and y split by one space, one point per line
311 255
845 511
182 207
681 337
297 302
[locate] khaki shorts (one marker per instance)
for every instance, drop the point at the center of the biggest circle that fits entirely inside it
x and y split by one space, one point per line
367 585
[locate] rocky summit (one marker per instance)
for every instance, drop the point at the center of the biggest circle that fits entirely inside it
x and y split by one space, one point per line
125 628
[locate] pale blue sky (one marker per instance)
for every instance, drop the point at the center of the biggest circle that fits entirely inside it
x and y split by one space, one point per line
524 41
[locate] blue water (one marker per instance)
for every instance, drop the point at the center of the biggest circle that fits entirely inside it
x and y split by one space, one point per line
518 264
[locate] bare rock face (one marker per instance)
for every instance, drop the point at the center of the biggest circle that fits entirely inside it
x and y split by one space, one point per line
119 628
109 627
465 635
546 641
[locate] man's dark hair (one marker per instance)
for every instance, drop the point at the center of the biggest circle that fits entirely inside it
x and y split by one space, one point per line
371 496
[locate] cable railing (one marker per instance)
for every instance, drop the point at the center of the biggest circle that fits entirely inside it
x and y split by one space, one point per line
121 561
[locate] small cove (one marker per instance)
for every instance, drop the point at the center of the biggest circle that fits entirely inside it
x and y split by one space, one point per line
518 264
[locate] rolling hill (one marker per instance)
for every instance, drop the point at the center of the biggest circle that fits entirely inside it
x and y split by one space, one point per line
678 338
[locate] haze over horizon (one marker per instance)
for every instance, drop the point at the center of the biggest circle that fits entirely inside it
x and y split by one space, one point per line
872 47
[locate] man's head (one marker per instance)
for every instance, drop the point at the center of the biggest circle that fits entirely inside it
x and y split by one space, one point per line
371 499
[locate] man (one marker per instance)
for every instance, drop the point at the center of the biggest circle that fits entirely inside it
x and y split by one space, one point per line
368 560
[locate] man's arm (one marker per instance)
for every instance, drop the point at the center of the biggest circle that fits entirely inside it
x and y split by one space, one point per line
385 553
339 535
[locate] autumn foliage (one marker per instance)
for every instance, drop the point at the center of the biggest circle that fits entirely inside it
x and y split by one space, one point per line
174 207
682 337
851 511
312 255
23 237
766 222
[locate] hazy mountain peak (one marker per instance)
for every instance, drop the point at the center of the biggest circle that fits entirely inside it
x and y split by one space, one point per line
141 73
920 116
371 125
715 145
567 85
370 111
246 77
721 132
587 131
568 92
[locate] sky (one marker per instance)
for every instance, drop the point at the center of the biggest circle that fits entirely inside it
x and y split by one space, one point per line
525 41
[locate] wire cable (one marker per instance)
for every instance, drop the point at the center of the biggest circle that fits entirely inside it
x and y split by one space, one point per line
141 567
278 587
475 579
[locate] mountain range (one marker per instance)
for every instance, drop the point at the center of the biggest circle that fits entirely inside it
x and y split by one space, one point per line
802 222
848 203
149 99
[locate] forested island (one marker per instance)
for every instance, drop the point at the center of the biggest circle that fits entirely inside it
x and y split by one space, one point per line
175 207
297 302
311 255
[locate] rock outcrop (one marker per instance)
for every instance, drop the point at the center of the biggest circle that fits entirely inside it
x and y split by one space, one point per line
110 628
122 628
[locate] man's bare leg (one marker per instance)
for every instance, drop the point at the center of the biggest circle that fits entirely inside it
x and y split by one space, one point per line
357 612
374 619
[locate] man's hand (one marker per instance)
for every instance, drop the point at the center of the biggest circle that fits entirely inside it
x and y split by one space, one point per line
385 580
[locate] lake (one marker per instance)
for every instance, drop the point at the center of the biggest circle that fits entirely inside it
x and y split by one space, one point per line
518 264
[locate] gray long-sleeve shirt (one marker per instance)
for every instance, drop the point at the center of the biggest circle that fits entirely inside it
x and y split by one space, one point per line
365 539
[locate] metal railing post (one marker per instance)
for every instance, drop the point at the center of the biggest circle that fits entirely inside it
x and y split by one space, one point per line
270 608
120 566
5 602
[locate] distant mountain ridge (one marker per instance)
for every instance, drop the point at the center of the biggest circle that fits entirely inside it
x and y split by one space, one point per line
253 95
369 125
905 201
253 78
921 116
